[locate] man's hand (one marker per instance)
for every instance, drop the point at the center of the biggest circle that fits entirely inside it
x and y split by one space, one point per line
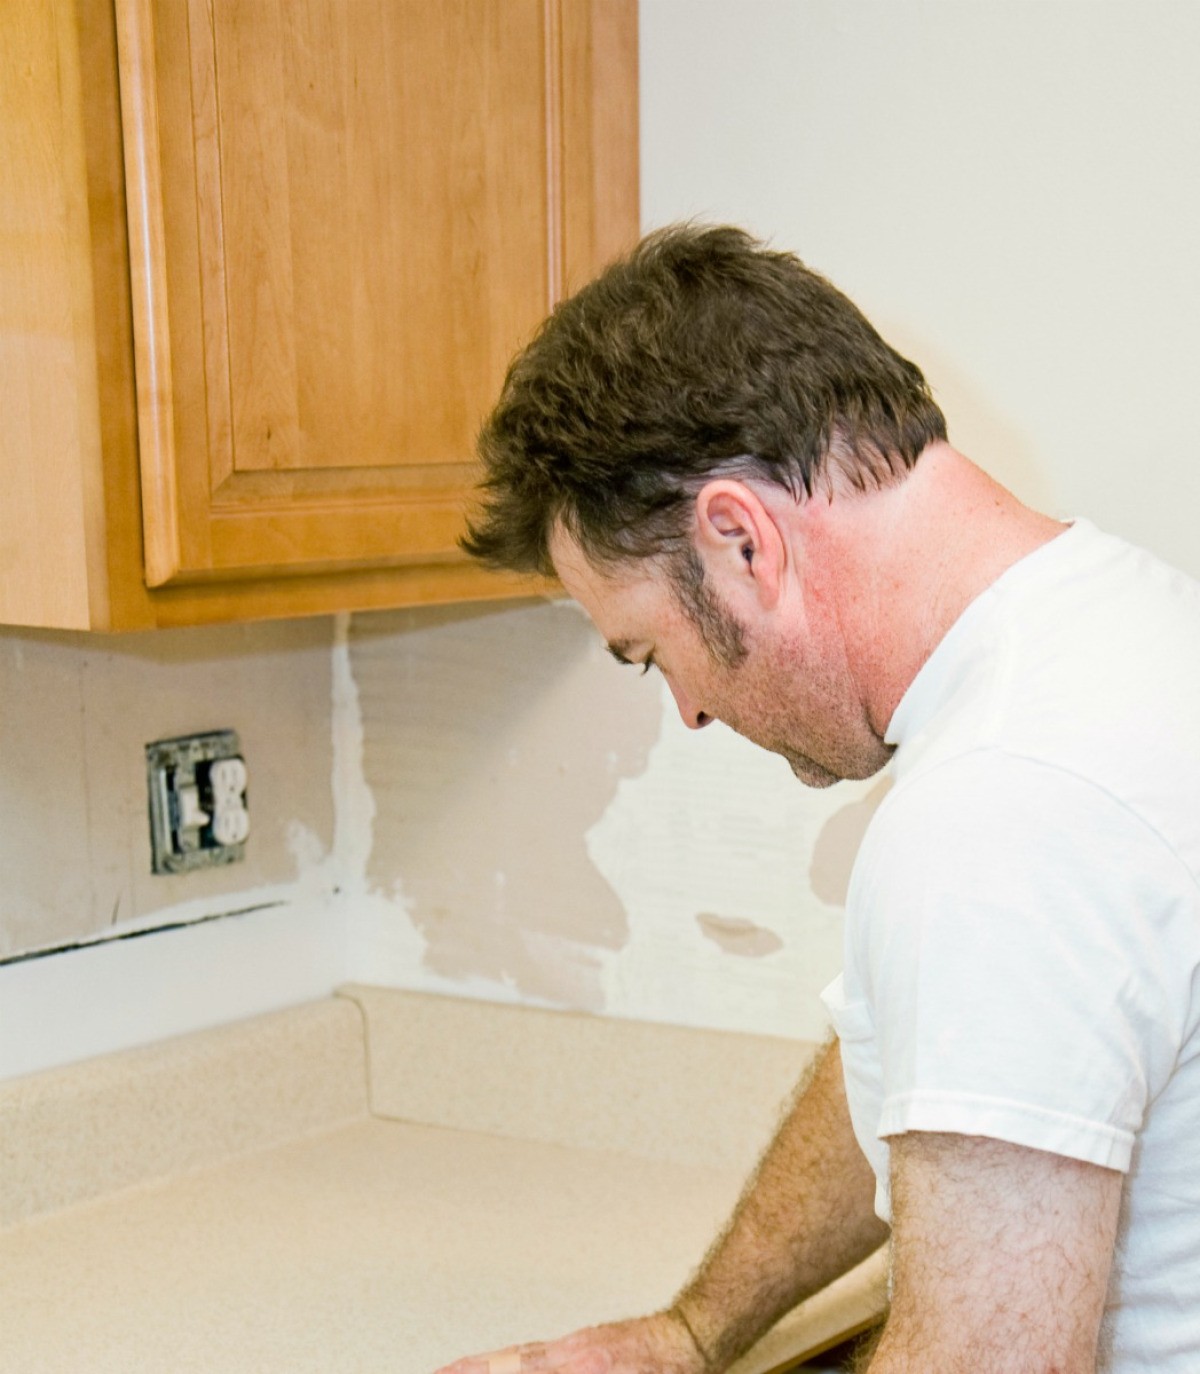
659 1344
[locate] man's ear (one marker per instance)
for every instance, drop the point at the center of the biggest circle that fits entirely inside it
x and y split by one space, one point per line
739 542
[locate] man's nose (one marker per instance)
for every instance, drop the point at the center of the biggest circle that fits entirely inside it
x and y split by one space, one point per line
693 717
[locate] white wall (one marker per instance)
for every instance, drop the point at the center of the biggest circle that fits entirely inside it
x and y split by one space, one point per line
1008 188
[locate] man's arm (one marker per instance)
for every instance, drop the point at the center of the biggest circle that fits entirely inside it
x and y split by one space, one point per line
1000 1258
806 1217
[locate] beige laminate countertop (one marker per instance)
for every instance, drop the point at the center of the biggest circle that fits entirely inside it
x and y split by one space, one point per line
324 1237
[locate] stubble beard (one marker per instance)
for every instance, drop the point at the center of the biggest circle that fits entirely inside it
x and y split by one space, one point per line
726 642
809 773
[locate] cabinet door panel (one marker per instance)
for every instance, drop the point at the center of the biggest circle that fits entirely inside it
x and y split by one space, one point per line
345 216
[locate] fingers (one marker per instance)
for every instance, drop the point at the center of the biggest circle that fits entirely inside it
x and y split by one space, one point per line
595 1350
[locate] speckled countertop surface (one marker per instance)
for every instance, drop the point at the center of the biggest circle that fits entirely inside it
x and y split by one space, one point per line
369 1245
379 1246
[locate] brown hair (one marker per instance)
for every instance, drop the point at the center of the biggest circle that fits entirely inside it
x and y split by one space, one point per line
701 354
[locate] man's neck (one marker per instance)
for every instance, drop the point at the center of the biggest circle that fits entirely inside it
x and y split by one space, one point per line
912 557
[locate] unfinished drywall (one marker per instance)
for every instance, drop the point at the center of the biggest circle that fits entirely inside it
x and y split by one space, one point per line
76 712
490 748
545 828
493 806
710 849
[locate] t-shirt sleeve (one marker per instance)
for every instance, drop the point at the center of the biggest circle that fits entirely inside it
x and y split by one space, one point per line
1012 929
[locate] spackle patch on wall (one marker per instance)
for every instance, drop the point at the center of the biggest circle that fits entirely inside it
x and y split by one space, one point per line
837 844
494 738
737 935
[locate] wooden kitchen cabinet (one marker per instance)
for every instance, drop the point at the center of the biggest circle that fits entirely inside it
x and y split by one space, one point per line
262 265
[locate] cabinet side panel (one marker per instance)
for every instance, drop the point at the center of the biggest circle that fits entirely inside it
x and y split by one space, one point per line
49 426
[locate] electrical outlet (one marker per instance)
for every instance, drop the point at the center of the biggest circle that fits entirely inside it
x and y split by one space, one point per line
199 815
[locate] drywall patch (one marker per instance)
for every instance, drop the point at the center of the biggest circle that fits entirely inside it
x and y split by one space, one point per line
353 800
382 942
494 738
715 824
737 935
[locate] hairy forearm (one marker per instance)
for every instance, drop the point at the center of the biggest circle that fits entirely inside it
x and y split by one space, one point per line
805 1218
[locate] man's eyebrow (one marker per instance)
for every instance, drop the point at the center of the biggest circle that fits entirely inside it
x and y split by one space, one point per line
619 648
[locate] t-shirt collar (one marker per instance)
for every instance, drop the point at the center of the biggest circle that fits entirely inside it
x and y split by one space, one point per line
938 678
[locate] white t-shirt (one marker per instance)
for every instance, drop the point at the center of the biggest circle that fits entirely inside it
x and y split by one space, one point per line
1023 924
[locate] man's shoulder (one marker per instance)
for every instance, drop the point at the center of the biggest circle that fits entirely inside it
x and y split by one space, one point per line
1078 686
1083 656
992 818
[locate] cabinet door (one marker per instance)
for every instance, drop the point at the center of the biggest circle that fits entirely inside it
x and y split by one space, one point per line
345 216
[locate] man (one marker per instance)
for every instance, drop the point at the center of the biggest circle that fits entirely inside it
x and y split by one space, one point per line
748 490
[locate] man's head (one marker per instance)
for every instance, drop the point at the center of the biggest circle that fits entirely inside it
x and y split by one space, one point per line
653 446
701 355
